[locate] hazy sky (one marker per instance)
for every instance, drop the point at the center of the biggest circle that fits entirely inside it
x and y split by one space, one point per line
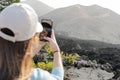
111 4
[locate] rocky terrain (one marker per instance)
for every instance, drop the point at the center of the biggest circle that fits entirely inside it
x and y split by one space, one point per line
96 62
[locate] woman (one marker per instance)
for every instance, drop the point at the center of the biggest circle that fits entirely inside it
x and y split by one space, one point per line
19 43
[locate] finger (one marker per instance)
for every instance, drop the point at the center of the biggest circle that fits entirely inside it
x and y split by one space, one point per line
42 42
47 38
53 34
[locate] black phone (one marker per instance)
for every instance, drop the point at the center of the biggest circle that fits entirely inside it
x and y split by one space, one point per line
47 29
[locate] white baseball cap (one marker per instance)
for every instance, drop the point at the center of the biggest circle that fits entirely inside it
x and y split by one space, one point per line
22 20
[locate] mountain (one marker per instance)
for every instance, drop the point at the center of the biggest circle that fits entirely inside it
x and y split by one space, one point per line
87 23
39 7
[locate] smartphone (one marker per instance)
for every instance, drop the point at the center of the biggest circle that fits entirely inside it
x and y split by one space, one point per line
47 29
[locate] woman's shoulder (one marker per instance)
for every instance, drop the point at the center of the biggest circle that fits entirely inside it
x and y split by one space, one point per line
37 74
40 74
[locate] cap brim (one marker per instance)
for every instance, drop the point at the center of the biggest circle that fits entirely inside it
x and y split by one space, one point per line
39 27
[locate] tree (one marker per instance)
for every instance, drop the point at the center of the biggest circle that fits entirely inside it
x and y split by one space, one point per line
5 3
13 1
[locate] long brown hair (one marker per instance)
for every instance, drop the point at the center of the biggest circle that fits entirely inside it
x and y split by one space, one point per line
15 60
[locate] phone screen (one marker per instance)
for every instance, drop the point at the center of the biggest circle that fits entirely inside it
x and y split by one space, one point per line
47 29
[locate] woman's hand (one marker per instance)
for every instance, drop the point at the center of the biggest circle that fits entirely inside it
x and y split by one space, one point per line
52 42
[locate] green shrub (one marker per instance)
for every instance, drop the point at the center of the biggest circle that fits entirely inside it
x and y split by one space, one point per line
33 64
49 51
69 59
49 66
42 65
46 66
